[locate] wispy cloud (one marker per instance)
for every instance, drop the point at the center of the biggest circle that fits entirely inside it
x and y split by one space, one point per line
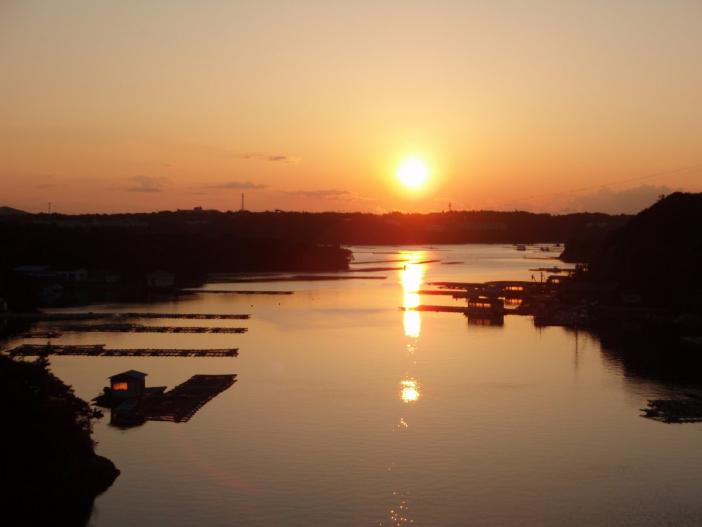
273 158
147 184
239 185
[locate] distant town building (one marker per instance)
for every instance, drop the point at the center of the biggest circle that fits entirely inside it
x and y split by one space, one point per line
51 293
73 275
35 271
160 280
103 277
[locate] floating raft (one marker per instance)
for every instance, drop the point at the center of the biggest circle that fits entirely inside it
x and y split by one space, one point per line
41 335
438 309
372 269
120 315
442 292
181 403
299 278
554 269
496 283
138 328
99 350
238 292
404 260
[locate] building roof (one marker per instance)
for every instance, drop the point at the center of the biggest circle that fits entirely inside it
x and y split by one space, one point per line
132 374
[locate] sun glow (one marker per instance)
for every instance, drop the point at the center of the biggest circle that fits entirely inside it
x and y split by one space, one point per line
413 172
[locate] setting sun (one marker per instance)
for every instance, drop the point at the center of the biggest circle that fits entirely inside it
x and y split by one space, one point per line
413 172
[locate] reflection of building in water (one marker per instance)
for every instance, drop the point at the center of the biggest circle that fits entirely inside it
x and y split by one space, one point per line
474 320
511 302
131 403
485 311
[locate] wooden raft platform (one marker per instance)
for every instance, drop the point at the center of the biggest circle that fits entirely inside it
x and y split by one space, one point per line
438 309
238 292
295 278
138 328
99 350
57 317
181 403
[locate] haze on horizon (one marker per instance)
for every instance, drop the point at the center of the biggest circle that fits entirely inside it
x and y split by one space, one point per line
543 105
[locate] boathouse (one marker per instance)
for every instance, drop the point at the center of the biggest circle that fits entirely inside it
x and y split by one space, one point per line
128 385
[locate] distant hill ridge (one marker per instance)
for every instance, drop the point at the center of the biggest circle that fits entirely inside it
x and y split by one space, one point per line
349 228
10 210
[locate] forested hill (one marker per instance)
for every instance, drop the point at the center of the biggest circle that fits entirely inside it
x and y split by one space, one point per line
658 252
344 228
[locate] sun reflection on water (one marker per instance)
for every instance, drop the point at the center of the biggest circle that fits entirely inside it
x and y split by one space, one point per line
412 278
409 390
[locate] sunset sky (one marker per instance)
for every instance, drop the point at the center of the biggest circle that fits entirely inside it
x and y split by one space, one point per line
540 105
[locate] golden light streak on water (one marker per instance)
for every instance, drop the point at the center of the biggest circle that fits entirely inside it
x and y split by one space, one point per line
409 391
412 279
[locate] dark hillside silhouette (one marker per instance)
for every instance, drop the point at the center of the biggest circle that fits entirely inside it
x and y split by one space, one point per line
658 253
50 473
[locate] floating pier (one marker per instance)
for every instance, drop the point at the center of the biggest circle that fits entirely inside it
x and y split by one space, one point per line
138 328
438 309
238 292
99 350
512 289
554 269
403 260
181 403
41 335
372 269
300 278
509 285
57 317
441 292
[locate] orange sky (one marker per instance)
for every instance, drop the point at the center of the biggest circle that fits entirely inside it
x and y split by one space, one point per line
131 106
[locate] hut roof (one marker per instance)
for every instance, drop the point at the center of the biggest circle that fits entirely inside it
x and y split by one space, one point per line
131 374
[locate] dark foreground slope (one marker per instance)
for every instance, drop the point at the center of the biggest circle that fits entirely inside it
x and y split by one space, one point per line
49 472
657 254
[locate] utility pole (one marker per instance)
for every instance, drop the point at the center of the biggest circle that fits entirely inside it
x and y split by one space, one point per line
49 208
242 202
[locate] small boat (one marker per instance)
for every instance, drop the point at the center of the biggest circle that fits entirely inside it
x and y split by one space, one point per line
521 247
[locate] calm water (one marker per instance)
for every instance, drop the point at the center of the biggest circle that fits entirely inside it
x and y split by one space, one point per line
348 411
